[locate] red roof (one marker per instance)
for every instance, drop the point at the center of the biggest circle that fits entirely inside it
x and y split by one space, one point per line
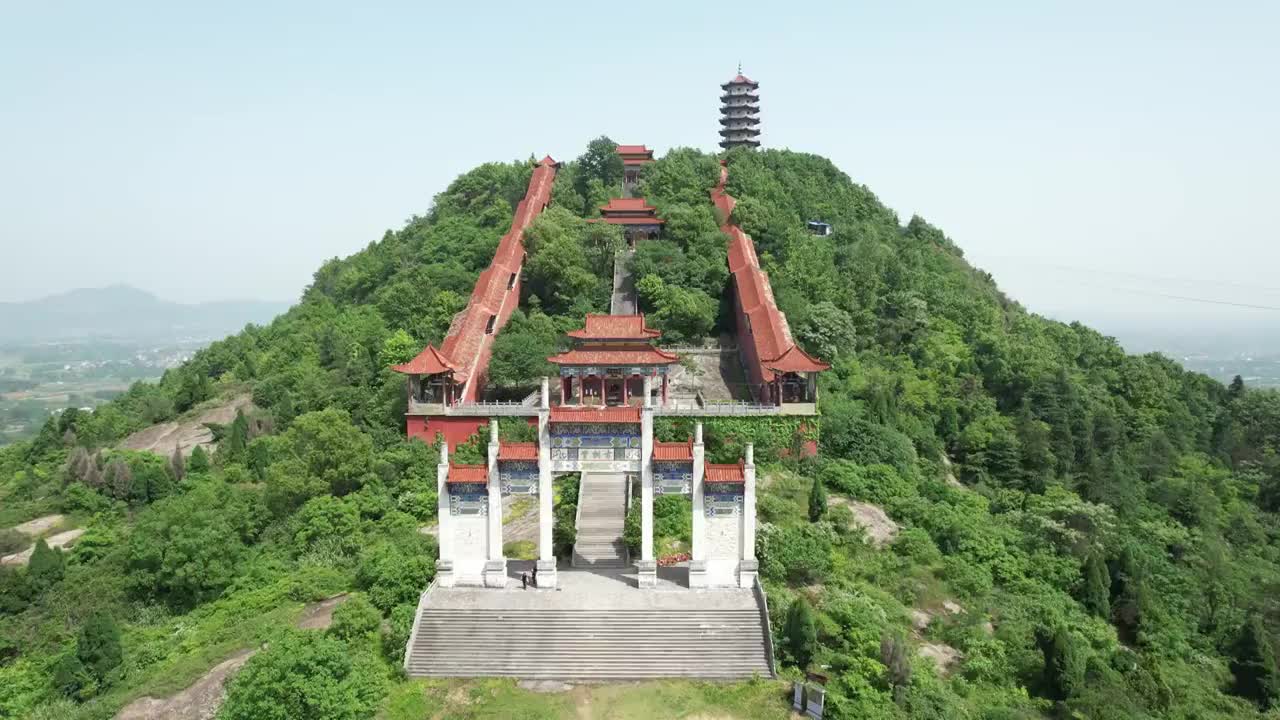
724 473
634 205
468 474
616 220
770 336
465 349
634 150
615 327
795 359
673 451
518 451
428 362
586 414
614 355
740 79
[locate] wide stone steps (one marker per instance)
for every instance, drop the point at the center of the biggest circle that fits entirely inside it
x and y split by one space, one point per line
602 514
589 644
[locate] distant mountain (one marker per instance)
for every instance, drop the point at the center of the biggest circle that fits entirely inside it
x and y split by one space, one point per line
123 312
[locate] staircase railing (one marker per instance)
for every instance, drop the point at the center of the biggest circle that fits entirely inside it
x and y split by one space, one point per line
763 604
417 620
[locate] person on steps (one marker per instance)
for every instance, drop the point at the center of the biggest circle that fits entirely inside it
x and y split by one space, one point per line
535 576
524 581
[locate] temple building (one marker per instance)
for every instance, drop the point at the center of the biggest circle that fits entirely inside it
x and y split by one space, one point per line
609 361
739 111
634 157
639 219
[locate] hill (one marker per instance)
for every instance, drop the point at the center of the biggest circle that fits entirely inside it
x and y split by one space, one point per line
123 312
1061 528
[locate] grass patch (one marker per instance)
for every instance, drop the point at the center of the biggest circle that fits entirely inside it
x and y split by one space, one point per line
520 507
520 550
501 698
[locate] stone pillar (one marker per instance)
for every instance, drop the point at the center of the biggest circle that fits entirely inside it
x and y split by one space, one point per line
495 566
444 565
747 566
698 561
546 552
647 566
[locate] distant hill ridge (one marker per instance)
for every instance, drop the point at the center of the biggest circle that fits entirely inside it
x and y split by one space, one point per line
125 312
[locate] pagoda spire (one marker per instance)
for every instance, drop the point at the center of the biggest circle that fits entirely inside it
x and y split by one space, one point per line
739 112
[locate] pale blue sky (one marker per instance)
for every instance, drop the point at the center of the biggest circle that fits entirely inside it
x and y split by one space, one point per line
223 150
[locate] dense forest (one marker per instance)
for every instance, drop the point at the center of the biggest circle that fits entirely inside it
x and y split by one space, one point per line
1088 533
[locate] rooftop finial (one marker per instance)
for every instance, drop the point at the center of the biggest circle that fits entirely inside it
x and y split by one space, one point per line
739 67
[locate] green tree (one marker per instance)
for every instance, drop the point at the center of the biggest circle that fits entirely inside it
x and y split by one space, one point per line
827 331
199 461
801 633
46 566
98 647
1254 665
817 499
399 347
1064 663
1095 592
304 675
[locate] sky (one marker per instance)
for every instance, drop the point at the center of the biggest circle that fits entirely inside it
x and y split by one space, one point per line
1109 162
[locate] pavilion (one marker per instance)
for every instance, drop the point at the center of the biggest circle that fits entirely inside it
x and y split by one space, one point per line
610 358
639 219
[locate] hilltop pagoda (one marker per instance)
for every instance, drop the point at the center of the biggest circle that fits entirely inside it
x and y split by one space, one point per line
739 113
610 359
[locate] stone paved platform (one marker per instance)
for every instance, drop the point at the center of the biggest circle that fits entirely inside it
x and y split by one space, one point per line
593 590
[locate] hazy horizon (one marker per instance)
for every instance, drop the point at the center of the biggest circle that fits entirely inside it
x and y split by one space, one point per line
1106 164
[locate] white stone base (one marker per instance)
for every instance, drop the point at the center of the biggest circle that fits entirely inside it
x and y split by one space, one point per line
546 574
495 573
747 571
444 573
646 573
698 574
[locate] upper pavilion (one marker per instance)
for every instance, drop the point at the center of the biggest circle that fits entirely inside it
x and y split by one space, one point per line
634 157
739 112
639 219
610 358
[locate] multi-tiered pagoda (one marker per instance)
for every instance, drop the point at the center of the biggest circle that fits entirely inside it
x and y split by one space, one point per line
740 113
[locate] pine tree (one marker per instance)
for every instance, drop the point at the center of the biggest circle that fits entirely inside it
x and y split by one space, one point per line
178 464
98 647
895 654
1096 591
1129 600
1257 675
1064 663
46 566
237 438
802 633
817 500
78 464
119 479
198 462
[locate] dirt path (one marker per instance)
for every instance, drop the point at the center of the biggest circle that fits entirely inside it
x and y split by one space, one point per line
874 521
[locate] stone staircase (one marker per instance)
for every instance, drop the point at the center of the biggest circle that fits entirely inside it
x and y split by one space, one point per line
584 644
602 509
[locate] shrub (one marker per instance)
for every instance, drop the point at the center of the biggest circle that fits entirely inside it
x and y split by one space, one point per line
355 618
304 675
392 575
798 554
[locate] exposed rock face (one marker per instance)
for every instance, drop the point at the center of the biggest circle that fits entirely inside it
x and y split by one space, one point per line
319 616
198 702
61 540
880 529
187 434
39 526
944 657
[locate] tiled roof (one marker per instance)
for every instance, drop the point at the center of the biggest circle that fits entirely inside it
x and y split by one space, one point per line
770 335
723 473
634 150
740 79
673 451
518 451
614 355
615 327
579 414
633 205
428 362
468 474
467 345
631 220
